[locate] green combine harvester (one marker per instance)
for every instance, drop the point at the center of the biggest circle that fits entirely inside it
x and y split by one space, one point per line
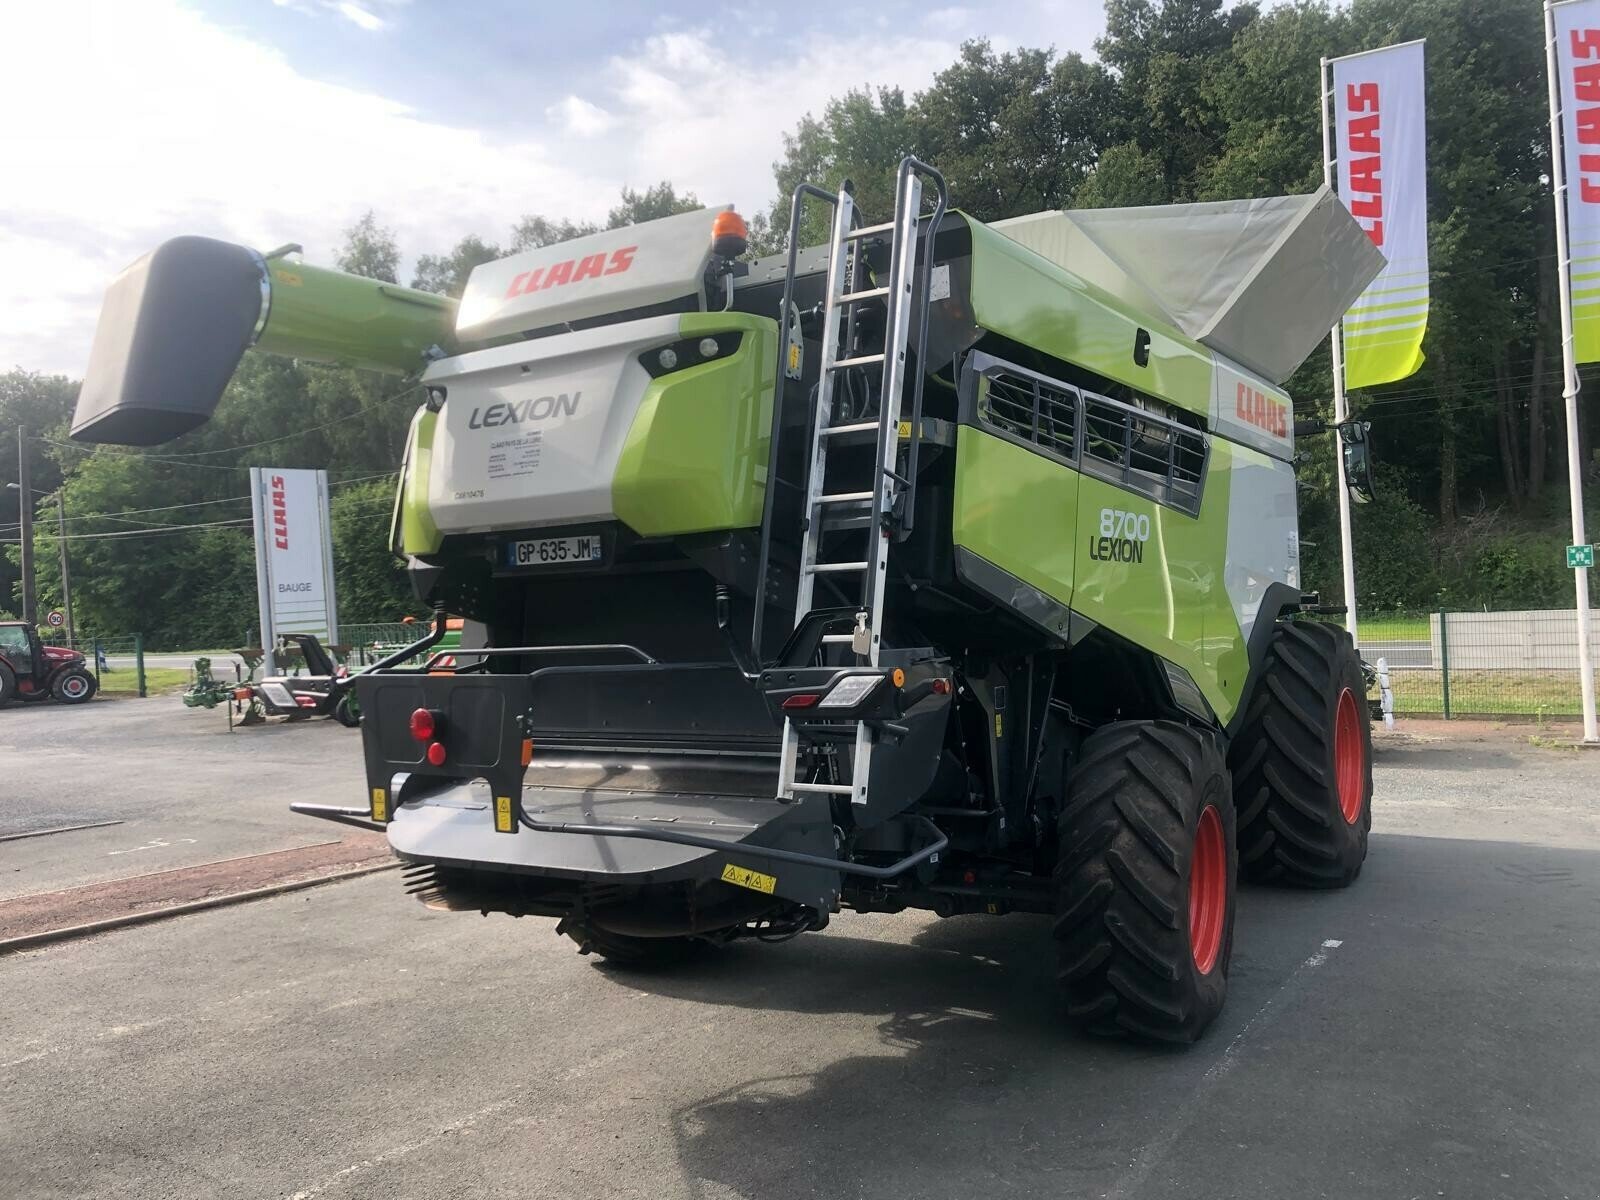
945 565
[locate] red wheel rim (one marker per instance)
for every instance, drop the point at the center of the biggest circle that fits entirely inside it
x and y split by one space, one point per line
1349 758
1208 890
74 687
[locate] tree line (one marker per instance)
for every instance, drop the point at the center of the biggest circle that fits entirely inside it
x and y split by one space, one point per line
1184 100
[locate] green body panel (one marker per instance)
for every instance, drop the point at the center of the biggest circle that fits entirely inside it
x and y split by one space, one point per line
1029 299
696 453
330 317
1016 509
1042 522
412 530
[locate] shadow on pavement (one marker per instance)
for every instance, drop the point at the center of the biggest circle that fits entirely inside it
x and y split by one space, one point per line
1339 1066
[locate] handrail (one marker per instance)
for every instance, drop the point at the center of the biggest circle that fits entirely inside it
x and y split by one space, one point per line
440 626
910 165
770 492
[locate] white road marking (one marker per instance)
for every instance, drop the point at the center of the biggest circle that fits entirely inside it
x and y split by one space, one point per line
155 844
1156 1150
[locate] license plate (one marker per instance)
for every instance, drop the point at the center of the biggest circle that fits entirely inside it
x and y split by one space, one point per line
550 552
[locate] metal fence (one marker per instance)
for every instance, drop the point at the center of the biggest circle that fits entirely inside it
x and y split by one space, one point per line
1481 664
368 642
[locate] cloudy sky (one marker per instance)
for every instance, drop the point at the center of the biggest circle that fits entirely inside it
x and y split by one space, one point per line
268 121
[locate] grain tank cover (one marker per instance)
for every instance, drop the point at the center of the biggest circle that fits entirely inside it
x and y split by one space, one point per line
639 265
1259 281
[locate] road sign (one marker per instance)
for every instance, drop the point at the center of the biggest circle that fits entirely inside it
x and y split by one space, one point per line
1577 556
55 618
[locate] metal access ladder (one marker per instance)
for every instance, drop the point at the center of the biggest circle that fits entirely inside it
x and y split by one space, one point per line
876 494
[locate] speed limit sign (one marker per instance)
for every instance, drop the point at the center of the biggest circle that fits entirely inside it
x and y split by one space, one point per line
55 618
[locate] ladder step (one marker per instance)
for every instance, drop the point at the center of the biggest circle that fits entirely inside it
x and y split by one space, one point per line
827 568
860 360
869 230
869 294
833 789
844 498
858 427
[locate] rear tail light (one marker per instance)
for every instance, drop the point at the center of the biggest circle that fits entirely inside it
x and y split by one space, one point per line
423 724
805 700
436 754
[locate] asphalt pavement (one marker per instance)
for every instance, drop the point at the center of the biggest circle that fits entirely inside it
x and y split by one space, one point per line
182 788
1431 1031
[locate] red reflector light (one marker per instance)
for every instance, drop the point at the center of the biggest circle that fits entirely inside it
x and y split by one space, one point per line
806 700
422 724
436 754
941 687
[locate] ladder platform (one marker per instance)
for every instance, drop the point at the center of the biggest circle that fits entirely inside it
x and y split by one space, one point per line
869 294
828 568
860 360
869 231
844 498
857 427
832 789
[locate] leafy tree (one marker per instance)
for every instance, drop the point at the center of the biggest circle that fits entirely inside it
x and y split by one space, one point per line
652 204
447 273
370 250
369 580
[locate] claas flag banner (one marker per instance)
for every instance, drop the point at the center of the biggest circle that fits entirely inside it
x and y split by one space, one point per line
1381 149
1577 26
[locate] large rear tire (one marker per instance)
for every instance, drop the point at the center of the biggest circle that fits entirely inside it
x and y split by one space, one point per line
8 684
1302 762
1145 882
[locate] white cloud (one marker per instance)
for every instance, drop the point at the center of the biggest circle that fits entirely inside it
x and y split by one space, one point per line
145 121
357 15
580 117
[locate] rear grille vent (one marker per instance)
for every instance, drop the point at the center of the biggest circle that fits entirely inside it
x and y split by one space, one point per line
1121 443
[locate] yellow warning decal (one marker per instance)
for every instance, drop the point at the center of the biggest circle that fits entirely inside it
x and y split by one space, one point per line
746 878
905 429
999 727
794 356
502 815
289 278
380 804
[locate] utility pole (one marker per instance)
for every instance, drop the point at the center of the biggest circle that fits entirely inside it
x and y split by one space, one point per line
25 505
66 579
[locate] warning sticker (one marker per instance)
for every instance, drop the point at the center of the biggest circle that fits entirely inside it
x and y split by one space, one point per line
513 456
746 878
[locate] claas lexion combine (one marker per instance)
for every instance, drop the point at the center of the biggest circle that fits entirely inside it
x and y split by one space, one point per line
944 565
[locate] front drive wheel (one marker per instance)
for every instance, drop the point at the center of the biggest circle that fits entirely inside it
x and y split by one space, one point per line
1302 762
73 686
346 712
1145 882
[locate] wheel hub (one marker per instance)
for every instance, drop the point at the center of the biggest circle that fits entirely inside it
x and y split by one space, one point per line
1349 758
1208 890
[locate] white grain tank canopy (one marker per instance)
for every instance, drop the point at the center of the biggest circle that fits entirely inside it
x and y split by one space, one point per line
635 267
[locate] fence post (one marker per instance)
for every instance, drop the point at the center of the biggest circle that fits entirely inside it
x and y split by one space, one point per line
138 662
1444 659
95 646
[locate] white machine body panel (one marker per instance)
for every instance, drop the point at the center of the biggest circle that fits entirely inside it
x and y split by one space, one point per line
1246 408
614 271
530 433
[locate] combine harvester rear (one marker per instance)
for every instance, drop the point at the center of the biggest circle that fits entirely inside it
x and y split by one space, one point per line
946 565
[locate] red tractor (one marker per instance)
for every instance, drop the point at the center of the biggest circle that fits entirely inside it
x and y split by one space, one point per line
32 670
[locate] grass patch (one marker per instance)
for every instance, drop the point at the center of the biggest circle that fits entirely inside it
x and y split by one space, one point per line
159 681
1488 693
1394 629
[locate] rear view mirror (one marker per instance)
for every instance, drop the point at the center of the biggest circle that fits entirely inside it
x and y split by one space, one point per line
1356 446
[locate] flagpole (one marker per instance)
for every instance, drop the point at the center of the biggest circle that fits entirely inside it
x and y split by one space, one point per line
1347 558
1569 373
